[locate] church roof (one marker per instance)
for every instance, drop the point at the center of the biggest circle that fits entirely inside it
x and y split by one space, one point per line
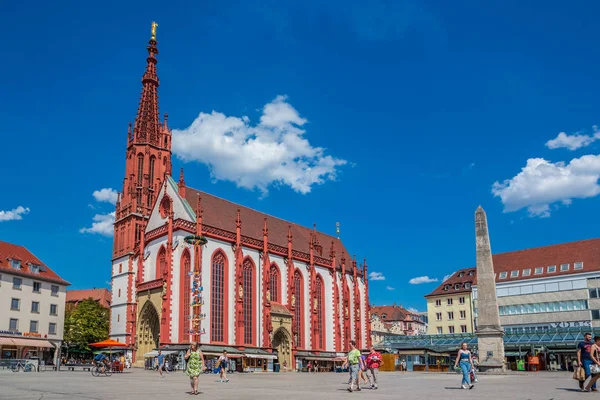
9 251
222 214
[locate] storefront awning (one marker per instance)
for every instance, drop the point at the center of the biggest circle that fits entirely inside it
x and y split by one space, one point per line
26 342
268 356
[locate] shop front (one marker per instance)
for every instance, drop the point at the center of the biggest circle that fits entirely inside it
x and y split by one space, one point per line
319 362
26 346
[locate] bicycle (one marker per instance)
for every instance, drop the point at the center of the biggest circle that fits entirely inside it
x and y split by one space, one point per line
26 367
98 369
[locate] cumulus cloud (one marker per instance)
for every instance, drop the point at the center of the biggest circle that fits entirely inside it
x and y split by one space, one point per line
107 195
102 224
573 142
376 276
390 288
413 310
541 184
272 152
422 279
13 215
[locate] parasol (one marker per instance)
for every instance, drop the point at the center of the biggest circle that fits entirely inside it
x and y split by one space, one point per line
110 344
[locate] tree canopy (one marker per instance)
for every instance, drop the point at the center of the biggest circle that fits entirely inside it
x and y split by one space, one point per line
87 323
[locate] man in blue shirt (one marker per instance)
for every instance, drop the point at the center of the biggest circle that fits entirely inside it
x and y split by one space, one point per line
584 358
101 360
161 363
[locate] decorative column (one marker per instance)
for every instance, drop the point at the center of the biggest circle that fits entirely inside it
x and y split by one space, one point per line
197 286
312 302
345 305
167 275
239 284
367 305
267 326
291 295
337 335
490 335
357 313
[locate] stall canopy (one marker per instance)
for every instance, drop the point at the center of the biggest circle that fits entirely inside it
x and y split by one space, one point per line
154 353
26 342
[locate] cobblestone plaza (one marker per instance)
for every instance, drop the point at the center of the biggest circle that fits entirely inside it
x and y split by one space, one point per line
140 384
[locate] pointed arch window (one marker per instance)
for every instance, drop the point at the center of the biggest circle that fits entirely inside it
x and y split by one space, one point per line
319 297
186 268
152 161
140 169
248 300
161 263
217 298
275 287
298 309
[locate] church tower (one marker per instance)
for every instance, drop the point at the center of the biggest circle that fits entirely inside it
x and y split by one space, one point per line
148 161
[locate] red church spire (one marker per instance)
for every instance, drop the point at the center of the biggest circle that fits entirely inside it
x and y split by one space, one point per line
146 122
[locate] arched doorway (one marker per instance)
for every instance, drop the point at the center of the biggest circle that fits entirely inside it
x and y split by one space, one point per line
282 343
148 331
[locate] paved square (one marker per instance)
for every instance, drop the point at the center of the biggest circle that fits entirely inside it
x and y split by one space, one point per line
140 384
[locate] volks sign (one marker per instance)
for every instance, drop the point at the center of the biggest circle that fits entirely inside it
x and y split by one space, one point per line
571 324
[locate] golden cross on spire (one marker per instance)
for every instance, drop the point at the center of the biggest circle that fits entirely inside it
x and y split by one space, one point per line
154 26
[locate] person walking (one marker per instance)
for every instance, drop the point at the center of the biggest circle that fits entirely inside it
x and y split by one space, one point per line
362 372
403 363
223 365
466 364
374 362
161 363
584 358
354 362
595 367
195 361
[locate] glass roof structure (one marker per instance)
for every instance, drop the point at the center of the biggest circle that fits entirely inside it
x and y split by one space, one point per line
551 338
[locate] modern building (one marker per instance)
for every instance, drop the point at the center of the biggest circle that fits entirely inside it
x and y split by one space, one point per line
548 287
32 305
272 290
450 306
395 320
101 296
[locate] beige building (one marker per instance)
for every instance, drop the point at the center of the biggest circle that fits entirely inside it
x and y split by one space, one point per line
32 306
450 306
395 321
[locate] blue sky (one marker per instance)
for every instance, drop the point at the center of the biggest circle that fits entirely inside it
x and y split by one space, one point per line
411 112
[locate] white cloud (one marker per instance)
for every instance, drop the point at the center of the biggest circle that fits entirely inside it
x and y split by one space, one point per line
422 279
446 277
390 288
107 195
272 152
13 215
102 224
573 142
541 184
413 310
376 276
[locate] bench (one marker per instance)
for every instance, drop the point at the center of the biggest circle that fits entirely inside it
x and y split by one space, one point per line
84 367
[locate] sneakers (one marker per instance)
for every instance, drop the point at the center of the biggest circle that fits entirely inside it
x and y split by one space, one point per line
464 386
374 387
350 389
471 387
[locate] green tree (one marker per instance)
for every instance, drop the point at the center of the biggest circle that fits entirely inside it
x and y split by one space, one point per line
87 323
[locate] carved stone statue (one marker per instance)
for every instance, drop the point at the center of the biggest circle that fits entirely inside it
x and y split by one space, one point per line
316 305
293 300
241 291
268 295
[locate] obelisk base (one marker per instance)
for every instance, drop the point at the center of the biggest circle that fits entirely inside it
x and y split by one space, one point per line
490 342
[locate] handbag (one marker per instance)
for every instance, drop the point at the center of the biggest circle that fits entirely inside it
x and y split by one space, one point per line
577 374
594 369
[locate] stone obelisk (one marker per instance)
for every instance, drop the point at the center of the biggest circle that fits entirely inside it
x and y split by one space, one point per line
490 334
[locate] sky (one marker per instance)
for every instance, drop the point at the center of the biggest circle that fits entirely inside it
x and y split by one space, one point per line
394 118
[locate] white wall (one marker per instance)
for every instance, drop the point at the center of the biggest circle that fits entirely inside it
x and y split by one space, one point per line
26 297
118 305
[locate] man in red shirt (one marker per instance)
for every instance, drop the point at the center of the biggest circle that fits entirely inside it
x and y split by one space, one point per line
374 361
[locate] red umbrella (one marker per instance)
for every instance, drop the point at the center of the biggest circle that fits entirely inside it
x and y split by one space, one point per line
110 344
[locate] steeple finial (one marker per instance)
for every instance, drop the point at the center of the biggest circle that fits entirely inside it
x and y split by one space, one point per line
153 30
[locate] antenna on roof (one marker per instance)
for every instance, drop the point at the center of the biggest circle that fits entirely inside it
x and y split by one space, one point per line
337 229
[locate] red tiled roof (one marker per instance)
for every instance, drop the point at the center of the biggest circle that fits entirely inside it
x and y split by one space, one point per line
392 313
222 214
16 252
100 295
458 278
585 251
279 309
